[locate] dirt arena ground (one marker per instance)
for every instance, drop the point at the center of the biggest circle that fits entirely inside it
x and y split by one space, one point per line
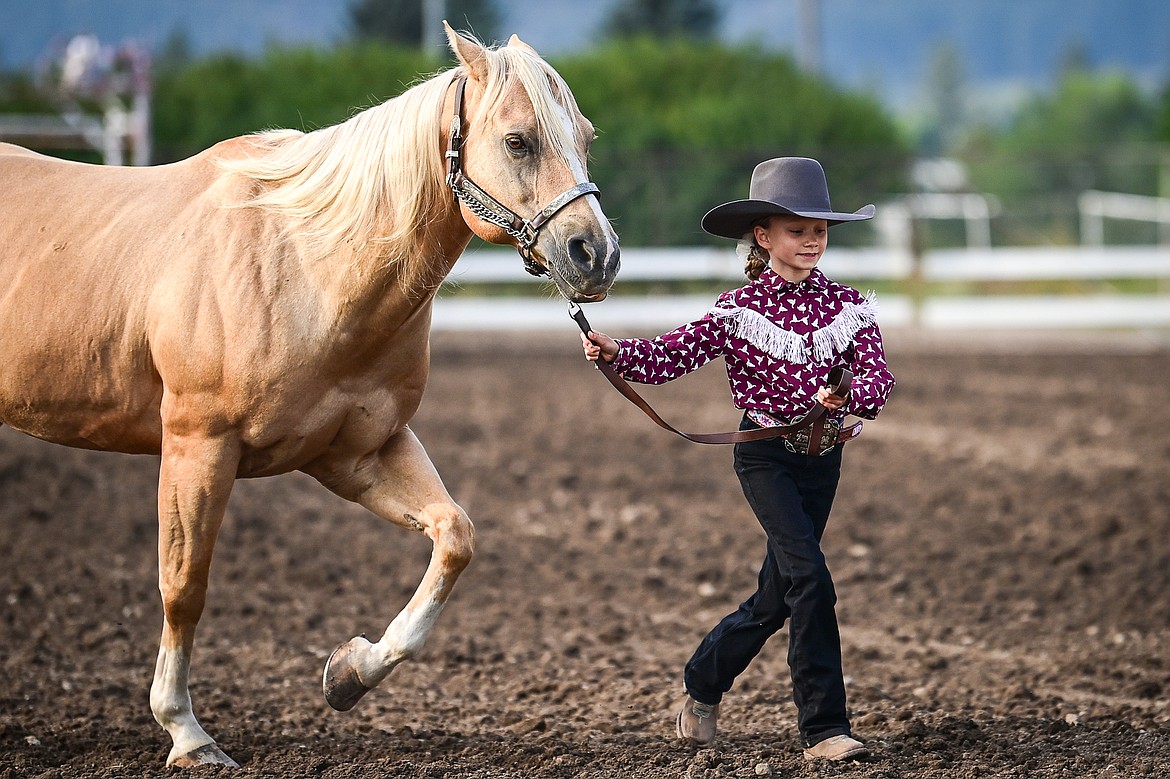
1001 546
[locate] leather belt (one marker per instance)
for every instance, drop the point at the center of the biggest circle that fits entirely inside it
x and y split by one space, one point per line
818 439
840 379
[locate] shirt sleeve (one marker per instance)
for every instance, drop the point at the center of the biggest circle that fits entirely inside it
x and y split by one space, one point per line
872 380
670 355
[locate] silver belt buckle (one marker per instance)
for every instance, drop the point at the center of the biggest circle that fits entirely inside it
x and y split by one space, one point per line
800 442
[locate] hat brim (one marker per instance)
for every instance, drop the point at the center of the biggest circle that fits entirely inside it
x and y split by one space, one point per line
734 219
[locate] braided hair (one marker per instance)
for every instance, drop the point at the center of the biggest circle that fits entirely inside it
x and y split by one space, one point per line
755 259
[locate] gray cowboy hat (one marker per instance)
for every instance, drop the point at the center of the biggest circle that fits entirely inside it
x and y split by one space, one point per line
784 185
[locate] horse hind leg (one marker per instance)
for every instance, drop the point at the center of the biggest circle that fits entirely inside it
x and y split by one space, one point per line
359 665
406 490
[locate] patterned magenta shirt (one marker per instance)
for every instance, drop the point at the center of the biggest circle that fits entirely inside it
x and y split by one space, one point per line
779 340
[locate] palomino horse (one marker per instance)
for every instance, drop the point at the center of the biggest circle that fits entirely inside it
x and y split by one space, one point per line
265 306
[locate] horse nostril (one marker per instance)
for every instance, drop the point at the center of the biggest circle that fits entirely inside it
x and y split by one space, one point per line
581 253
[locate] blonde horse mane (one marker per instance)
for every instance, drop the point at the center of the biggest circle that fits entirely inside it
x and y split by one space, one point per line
368 187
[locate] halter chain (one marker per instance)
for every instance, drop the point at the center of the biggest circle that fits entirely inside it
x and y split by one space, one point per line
490 210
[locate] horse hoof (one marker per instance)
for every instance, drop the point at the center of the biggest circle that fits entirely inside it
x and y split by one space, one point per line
208 754
342 687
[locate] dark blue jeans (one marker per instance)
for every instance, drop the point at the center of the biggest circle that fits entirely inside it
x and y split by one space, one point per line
791 495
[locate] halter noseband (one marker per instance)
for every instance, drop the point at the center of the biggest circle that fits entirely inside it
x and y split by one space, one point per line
491 210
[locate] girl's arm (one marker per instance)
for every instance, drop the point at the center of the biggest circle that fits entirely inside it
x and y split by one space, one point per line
670 355
872 380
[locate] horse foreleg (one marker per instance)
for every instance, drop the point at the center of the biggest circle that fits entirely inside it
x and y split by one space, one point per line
400 485
195 480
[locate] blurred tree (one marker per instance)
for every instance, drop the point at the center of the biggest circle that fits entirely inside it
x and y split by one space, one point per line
1067 141
1095 131
175 52
401 21
18 94
1076 59
688 18
681 123
1164 122
228 95
946 93
1164 138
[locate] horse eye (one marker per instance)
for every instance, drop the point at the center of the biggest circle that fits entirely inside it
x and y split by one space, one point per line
516 144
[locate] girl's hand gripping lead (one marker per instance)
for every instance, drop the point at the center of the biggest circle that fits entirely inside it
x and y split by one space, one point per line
598 345
829 400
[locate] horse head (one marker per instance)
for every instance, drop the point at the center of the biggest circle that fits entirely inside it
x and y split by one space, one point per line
526 138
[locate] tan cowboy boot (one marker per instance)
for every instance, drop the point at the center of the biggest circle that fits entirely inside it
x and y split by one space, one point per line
837 748
696 722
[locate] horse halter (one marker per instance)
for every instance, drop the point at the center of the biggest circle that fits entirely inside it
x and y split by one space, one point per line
491 210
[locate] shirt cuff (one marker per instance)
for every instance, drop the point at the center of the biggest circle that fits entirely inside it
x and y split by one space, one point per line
621 359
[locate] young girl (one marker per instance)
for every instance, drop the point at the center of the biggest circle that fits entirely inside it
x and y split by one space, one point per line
780 335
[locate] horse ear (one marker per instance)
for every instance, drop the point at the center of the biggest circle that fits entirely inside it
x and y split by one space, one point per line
469 52
515 42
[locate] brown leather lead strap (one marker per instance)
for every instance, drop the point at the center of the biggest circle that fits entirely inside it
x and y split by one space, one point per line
840 378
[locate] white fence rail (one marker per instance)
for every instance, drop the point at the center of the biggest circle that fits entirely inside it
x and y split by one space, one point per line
621 312
1096 206
994 264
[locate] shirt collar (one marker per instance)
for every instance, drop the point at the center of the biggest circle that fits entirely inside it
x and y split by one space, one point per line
815 279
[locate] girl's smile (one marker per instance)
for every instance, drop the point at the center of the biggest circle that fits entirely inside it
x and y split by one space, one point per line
794 244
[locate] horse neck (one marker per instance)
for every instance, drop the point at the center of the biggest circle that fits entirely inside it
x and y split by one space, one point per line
377 287
364 202
383 263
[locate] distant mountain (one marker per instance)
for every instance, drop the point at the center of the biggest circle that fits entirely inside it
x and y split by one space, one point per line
885 46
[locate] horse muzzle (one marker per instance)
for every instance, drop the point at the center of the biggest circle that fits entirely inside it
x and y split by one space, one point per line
583 264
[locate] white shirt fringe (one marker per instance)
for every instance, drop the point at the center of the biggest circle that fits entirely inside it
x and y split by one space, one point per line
789 346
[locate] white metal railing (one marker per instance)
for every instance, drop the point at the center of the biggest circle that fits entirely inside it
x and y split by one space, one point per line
1095 206
633 312
895 219
85 72
984 264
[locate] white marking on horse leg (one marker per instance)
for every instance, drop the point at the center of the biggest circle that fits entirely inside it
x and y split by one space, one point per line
403 640
358 665
170 702
454 540
404 488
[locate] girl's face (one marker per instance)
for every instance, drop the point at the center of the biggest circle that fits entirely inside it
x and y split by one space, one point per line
794 244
